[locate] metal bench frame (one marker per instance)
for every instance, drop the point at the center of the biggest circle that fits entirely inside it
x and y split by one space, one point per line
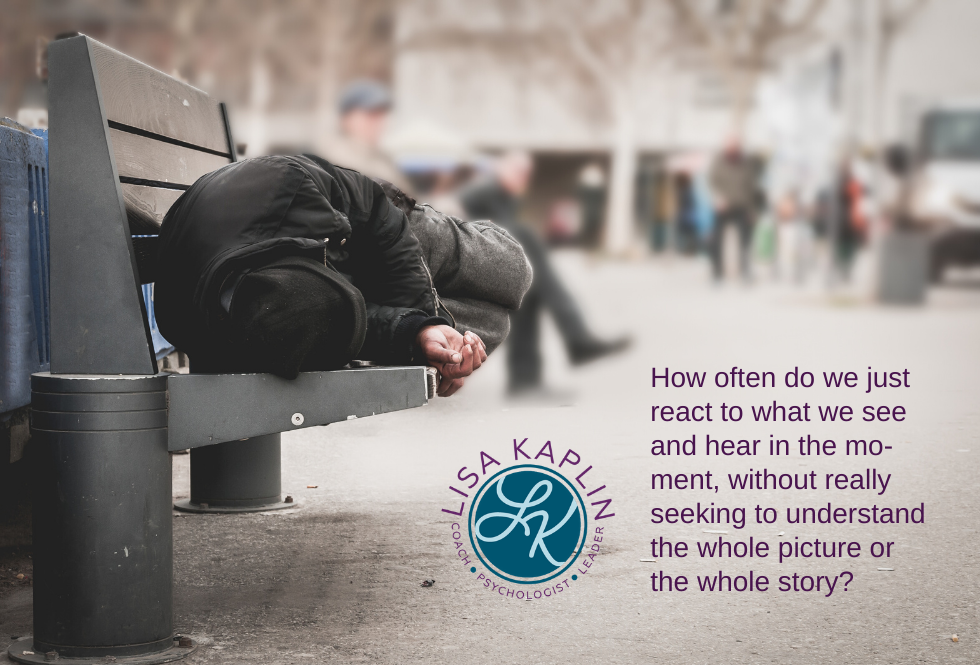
104 419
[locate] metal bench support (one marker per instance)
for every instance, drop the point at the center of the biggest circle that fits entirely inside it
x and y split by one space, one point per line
244 476
237 477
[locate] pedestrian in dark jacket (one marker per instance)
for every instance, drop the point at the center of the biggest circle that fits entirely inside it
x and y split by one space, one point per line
497 199
285 264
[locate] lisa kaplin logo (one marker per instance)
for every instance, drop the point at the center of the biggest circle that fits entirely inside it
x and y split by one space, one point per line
531 528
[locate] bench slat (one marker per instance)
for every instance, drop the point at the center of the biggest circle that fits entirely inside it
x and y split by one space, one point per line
147 206
140 157
140 96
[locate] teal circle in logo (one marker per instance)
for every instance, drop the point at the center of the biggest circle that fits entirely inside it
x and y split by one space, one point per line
527 524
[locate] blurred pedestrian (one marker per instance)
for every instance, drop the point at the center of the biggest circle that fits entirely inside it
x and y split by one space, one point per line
592 198
666 202
793 238
364 107
497 198
686 214
734 192
852 230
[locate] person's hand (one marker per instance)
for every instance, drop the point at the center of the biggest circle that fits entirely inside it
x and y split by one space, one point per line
455 356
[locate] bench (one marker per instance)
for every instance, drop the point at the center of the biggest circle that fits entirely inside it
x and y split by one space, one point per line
125 140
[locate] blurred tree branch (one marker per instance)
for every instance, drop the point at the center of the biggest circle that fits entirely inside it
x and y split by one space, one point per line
603 47
745 37
894 19
310 46
607 46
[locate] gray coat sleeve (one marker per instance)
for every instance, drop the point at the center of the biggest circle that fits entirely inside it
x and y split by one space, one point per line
488 320
477 261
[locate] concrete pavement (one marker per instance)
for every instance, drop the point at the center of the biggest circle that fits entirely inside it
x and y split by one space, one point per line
337 579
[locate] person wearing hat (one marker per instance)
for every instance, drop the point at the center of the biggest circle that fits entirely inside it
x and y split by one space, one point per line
364 108
286 264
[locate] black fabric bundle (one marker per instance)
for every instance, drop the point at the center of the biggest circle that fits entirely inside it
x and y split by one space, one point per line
294 315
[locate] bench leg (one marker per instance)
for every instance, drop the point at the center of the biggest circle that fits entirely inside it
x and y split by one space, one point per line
237 477
103 525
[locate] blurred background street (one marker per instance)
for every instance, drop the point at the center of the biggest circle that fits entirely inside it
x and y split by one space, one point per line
854 120
800 141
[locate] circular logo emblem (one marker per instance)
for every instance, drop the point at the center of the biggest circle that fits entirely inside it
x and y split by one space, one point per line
527 524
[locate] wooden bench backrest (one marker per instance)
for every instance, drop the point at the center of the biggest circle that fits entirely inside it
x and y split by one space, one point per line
164 134
125 141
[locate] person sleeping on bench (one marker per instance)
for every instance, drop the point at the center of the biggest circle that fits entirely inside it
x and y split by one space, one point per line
287 264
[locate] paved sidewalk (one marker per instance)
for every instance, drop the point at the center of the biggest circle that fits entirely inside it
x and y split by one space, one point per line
338 578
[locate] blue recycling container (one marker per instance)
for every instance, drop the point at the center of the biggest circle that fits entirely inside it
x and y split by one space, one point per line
161 347
24 339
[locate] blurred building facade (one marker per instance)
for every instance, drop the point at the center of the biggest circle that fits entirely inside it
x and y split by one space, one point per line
624 84
278 65
822 79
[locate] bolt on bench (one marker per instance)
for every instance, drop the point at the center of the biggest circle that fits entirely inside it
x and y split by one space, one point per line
125 140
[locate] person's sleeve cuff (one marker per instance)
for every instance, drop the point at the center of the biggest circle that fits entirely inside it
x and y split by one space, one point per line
408 329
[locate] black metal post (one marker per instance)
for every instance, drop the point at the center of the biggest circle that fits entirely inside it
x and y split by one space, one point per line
103 526
237 477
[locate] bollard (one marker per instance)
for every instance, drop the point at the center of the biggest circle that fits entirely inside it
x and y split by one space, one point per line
103 526
903 267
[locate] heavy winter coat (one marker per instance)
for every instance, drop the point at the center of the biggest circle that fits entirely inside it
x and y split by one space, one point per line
252 212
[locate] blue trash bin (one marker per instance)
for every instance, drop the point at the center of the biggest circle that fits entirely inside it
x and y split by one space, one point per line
24 339
161 347
25 342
